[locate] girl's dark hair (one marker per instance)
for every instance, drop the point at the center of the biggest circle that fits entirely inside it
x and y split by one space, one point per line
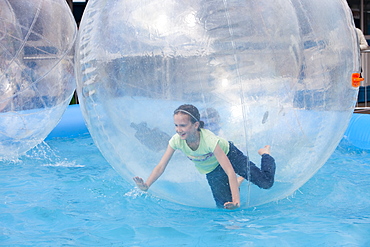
192 112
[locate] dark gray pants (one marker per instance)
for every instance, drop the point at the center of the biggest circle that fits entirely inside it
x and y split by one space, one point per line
219 182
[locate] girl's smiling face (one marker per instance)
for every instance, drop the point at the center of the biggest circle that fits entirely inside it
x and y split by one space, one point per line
185 128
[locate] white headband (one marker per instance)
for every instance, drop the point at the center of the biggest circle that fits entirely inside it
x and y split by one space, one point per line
191 115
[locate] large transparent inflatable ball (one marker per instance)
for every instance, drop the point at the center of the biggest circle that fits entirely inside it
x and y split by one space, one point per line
37 77
261 73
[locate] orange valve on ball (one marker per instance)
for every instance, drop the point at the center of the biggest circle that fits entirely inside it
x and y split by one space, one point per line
356 79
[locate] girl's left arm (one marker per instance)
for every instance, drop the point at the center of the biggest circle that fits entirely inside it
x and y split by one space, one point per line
229 170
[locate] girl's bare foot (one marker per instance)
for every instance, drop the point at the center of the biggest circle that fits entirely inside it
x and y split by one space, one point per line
264 150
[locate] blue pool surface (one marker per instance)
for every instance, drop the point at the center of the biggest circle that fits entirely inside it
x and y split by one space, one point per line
63 193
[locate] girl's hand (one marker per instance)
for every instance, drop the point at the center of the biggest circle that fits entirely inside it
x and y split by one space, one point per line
141 184
231 205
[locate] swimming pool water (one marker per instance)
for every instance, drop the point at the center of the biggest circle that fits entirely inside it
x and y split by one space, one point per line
63 193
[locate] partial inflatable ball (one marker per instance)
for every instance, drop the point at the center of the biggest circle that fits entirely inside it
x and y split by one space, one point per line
37 77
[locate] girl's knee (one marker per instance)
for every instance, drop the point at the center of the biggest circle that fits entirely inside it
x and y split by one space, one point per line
267 184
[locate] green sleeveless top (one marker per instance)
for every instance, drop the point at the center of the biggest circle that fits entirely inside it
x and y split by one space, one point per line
203 158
